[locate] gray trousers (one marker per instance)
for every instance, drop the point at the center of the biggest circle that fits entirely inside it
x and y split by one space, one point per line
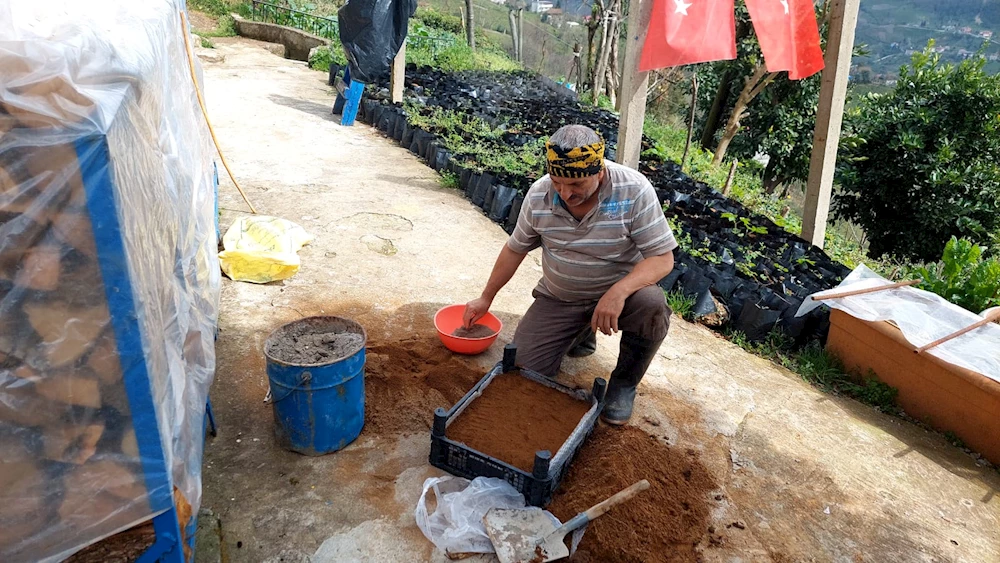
550 326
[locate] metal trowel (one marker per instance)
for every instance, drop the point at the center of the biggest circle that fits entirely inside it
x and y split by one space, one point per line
528 535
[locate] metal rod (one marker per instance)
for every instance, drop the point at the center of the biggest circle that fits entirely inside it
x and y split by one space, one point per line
866 290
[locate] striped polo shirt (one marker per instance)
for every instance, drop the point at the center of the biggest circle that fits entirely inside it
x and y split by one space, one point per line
582 259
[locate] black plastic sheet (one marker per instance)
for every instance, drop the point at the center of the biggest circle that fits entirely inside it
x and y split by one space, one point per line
399 128
704 305
465 180
488 200
407 138
371 32
441 160
756 322
470 186
502 202
482 187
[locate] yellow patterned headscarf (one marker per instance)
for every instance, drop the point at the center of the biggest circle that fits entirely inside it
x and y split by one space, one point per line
577 162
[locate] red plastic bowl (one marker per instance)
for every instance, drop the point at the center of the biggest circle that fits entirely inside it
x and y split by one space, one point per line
449 318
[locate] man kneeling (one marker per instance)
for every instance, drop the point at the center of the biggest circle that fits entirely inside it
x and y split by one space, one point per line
605 244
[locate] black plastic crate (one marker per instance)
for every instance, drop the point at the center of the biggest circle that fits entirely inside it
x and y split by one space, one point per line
537 486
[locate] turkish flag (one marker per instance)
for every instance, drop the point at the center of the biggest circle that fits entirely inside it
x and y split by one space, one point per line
788 36
683 32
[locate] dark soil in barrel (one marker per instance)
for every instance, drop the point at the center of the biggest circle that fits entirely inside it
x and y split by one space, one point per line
477 331
662 524
515 417
304 347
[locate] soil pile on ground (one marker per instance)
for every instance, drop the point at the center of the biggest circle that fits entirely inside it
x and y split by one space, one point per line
662 524
477 331
405 380
304 347
515 417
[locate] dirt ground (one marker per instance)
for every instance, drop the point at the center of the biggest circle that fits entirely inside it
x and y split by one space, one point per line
794 474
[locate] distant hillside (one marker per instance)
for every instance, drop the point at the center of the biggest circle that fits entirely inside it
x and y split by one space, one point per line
547 48
893 29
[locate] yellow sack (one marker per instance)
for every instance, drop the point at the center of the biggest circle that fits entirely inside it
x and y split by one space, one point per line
262 249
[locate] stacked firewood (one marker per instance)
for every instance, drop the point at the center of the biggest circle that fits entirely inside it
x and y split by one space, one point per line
69 460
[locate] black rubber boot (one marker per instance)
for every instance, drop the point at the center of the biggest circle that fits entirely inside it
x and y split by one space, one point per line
584 345
633 360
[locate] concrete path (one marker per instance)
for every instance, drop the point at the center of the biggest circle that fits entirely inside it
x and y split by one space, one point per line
803 475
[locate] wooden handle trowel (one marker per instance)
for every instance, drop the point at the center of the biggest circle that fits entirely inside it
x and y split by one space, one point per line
528 535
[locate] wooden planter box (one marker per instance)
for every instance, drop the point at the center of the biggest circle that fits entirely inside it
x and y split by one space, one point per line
947 397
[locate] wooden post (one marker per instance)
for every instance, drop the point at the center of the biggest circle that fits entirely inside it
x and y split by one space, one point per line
470 26
634 86
520 35
829 118
694 105
398 75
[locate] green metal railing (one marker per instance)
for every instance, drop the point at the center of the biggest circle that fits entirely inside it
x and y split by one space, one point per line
284 15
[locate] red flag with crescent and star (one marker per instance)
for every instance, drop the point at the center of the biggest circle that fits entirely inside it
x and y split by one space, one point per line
788 36
683 32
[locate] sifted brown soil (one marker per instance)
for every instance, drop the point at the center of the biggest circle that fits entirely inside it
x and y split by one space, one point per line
663 524
515 417
477 331
405 380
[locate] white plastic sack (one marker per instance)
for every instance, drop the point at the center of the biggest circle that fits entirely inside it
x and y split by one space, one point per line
922 317
456 524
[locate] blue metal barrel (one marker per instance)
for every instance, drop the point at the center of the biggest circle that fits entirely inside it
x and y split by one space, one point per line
318 408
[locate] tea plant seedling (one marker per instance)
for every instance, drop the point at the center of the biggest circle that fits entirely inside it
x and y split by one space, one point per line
681 304
450 181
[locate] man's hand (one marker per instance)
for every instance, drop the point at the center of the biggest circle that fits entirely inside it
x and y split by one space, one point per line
503 270
609 308
647 272
474 310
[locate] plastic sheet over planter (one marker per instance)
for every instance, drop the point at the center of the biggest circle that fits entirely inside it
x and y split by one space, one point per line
922 317
109 280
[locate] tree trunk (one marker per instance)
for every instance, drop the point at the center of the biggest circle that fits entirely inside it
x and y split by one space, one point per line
591 33
541 62
722 94
614 82
470 27
754 85
728 186
597 70
715 113
609 20
770 181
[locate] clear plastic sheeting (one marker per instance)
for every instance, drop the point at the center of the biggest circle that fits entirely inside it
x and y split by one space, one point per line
922 317
109 275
